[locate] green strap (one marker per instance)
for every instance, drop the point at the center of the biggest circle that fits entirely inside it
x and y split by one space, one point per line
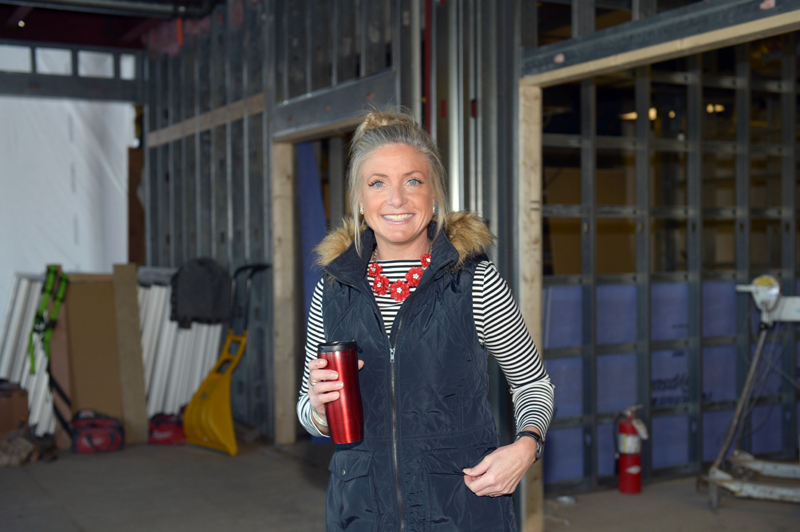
61 292
38 323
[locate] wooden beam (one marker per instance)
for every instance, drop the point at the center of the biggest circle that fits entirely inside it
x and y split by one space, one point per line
543 64
285 300
129 348
207 121
530 261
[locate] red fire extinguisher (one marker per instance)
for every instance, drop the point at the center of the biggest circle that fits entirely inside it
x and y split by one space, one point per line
630 433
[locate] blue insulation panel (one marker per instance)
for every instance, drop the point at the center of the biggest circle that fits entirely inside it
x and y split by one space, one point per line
562 317
564 457
669 385
616 382
567 376
719 308
765 422
616 314
669 316
715 428
313 226
719 373
670 441
605 450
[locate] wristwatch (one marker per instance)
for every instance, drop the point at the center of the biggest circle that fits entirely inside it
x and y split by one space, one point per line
531 434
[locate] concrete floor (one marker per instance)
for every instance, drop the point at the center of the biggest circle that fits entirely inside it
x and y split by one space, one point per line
148 488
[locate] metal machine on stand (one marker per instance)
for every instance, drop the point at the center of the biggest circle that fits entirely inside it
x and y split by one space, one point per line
754 478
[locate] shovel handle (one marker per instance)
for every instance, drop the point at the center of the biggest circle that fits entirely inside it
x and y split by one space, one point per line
252 269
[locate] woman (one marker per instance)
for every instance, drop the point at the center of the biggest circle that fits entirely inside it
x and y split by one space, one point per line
411 283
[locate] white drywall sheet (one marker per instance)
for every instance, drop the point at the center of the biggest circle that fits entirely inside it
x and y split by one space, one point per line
63 186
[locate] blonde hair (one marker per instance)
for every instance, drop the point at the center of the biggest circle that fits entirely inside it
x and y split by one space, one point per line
385 128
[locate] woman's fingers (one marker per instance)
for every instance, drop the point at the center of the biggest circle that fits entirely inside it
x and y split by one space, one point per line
323 384
321 375
317 374
499 472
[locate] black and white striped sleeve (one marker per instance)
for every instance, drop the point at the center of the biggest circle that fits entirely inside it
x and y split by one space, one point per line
502 330
315 335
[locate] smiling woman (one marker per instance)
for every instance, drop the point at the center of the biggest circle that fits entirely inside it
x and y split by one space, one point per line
412 285
397 201
382 141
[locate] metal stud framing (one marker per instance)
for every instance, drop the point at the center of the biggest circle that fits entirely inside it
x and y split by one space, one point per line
683 215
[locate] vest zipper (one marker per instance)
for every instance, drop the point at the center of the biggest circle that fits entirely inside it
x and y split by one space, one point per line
394 443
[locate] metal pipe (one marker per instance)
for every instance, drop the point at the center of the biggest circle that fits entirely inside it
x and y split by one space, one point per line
743 400
123 7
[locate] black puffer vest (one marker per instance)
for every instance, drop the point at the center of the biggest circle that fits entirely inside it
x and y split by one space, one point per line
426 414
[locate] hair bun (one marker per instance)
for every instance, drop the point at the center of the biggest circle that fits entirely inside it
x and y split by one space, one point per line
376 119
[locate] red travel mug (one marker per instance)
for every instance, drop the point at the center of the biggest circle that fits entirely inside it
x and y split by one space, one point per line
345 415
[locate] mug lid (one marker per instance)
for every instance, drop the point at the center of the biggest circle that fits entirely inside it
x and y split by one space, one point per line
332 347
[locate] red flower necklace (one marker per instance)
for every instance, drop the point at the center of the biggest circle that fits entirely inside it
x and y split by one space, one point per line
398 290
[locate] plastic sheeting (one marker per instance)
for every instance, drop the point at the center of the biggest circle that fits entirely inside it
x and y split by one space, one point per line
63 186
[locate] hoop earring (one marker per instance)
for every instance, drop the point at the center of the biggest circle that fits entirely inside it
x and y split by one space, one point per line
361 209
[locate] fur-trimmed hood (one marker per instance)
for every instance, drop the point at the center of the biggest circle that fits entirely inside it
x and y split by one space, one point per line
466 231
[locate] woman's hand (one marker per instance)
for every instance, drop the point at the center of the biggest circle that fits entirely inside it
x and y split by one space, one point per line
500 472
323 387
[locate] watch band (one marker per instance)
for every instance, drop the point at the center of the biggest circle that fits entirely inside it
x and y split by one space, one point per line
535 436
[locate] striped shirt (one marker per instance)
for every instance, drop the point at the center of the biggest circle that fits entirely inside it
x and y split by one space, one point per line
500 329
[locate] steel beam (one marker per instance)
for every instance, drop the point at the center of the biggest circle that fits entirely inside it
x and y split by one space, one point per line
643 224
407 54
583 17
174 166
340 106
76 88
150 214
589 270
487 120
203 148
789 232
219 150
742 228
121 7
268 80
347 49
643 8
692 29
297 52
190 108
163 184
694 261
375 25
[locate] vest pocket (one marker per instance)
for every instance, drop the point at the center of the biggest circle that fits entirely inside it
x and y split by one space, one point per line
452 506
351 497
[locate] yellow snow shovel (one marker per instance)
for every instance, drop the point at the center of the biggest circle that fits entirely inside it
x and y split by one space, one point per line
208 420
